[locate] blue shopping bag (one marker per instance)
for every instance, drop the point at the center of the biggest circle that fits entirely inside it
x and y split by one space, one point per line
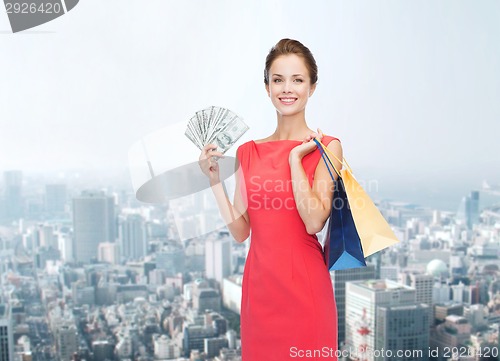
343 249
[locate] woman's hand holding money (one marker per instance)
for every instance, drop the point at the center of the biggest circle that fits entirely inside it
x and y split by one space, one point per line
208 162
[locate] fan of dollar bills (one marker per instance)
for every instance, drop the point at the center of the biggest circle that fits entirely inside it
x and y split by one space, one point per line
215 125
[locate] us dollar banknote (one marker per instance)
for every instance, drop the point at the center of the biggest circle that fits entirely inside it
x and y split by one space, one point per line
215 125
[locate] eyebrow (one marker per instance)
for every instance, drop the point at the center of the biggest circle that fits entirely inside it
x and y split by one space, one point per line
292 75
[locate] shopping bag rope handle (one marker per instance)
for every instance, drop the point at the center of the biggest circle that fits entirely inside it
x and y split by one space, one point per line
327 160
331 153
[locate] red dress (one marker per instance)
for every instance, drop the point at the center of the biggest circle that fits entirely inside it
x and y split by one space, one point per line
288 309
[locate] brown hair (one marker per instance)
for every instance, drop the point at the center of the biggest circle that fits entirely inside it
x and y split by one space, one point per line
290 46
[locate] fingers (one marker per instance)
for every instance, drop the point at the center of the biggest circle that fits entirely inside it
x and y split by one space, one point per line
209 166
318 135
210 146
209 151
216 154
314 135
208 161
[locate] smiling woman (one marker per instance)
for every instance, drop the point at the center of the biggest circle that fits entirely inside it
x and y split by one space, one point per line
290 76
287 296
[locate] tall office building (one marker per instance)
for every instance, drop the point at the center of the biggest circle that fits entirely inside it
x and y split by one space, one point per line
6 335
46 236
5 253
65 246
12 197
474 208
339 279
468 211
132 236
67 341
383 314
218 257
423 285
403 329
55 199
93 223
108 252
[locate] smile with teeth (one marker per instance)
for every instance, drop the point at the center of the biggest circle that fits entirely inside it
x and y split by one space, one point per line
288 100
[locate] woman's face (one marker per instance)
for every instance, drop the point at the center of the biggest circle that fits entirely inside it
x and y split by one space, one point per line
289 84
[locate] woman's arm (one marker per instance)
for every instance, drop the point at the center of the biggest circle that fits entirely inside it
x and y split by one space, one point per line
314 204
236 217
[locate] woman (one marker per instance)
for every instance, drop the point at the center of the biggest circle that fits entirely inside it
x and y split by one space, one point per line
283 197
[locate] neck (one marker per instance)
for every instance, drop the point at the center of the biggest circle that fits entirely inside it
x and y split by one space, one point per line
291 127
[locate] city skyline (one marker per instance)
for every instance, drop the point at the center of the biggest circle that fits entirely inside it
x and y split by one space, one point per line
445 195
180 297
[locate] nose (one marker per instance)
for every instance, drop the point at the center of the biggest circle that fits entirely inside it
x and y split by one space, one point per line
286 87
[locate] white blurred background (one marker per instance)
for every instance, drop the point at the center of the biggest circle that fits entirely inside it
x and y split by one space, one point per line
412 89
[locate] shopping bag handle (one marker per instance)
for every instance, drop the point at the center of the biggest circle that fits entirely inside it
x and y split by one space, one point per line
343 161
327 160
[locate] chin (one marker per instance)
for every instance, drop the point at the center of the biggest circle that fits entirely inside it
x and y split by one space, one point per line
288 112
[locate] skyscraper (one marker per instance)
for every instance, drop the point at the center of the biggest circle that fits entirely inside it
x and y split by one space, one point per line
339 279
218 257
132 237
67 341
6 335
13 201
423 285
468 211
93 223
473 215
383 314
403 329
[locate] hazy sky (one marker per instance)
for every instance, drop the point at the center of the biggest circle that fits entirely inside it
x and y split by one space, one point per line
410 87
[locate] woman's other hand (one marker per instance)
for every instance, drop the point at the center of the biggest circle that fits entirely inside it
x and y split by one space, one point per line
208 162
307 146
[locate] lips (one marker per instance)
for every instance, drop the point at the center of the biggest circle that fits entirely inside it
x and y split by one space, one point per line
287 100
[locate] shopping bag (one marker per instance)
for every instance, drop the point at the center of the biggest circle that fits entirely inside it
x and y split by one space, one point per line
343 249
374 231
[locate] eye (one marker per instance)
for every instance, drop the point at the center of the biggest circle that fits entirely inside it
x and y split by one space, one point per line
277 80
298 80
